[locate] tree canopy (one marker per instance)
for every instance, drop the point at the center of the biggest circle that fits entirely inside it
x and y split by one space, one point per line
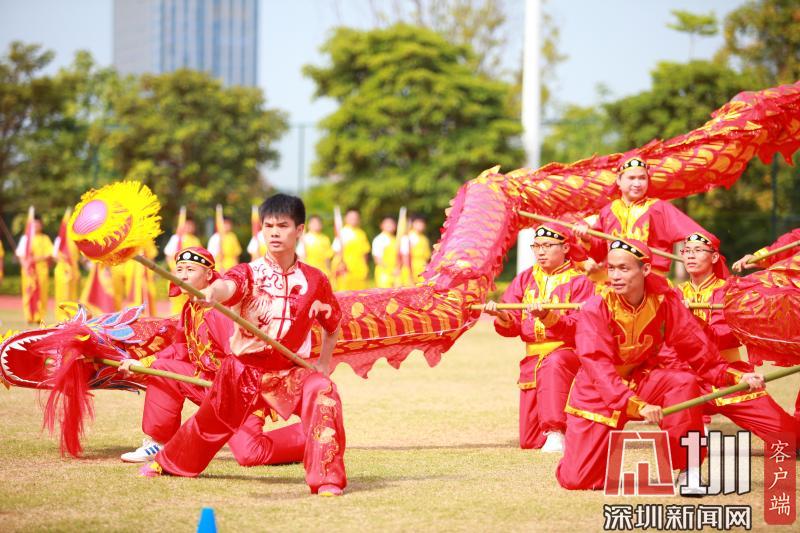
414 120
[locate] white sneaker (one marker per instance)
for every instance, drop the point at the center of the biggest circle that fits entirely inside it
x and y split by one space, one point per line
687 490
554 442
144 453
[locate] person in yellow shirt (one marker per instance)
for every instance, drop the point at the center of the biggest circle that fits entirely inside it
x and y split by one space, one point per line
140 287
41 254
178 242
257 247
119 284
352 249
226 253
418 248
384 253
315 247
66 275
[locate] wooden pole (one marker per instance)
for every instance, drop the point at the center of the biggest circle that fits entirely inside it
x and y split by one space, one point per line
600 234
757 259
772 376
156 372
278 347
502 307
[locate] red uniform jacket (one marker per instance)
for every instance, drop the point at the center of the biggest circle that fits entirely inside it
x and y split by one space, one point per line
655 222
615 341
279 304
565 284
712 290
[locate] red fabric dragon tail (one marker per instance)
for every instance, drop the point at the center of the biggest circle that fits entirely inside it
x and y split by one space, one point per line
69 403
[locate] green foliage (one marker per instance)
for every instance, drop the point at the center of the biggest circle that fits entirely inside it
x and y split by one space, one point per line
764 37
682 97
477 24
191 140
29 104
581 132
183 131
414 120
704 25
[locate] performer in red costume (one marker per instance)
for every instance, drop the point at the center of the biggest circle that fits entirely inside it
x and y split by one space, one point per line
550 364
783 240
618 337
282 296
753 411
206 336
634 215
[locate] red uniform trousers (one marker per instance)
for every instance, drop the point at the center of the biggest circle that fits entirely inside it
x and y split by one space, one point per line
762 415
583 465
234 395
544 387
161 419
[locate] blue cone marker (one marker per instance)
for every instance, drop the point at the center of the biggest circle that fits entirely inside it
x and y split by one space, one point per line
207 524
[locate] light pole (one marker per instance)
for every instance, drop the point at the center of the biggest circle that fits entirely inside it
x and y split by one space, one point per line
531 114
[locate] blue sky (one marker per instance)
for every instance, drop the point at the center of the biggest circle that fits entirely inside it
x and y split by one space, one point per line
610 42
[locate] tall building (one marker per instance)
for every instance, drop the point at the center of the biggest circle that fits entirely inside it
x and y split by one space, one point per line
217 36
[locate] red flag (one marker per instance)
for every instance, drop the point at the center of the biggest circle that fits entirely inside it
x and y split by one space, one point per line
61 245
98 293
32 288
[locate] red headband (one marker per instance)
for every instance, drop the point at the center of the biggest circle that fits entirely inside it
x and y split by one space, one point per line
720 268
199 256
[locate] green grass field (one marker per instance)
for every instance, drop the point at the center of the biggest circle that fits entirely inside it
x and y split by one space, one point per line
428 450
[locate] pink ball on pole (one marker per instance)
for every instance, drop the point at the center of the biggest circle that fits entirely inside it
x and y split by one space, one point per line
91 217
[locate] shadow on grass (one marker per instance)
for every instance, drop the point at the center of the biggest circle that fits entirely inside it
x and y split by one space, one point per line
463 446
107 452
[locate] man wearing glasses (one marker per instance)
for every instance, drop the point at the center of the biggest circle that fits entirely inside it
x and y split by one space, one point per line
550 364
753 411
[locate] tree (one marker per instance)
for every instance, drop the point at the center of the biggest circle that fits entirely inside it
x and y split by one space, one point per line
682 97
764 36
29 103
193 141
414 120
60 161
478 24
579 133
696 25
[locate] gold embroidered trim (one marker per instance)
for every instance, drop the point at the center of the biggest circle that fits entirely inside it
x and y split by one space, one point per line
738 399
611 421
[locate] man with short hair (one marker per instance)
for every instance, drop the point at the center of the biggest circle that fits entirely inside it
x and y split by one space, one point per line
417 248
206 333
754 411
618 338
282 296
226 247
550 364
384 253
35 260
634 215
315 247
352 249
